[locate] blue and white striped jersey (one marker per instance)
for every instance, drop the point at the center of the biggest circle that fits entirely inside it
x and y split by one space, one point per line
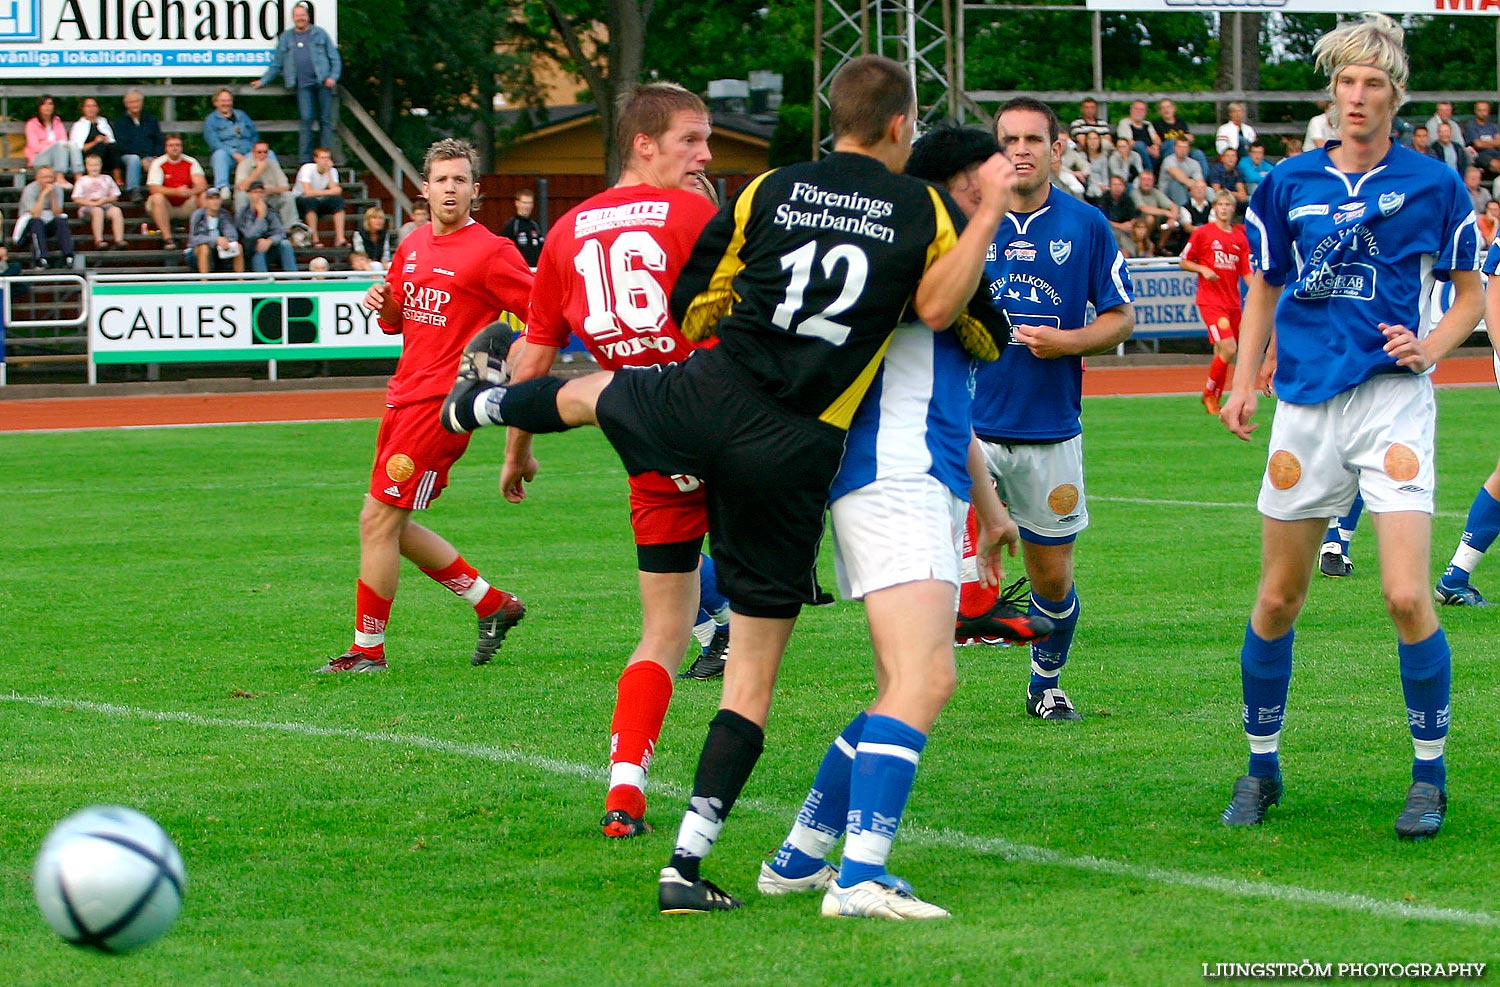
915 417
1046 268
1351 252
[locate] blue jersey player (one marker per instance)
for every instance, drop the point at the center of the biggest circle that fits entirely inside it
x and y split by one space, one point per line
1483 523
1053 259
910 455
1341 242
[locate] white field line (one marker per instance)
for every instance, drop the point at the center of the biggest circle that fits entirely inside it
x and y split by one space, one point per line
942 838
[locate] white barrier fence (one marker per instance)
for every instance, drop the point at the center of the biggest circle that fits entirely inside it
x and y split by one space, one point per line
263 318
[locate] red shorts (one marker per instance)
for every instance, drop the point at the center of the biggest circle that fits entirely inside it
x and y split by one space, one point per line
1223 323
667 509
413 454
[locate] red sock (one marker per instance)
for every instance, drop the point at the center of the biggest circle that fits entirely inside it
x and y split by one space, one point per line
1218 373
642 695
371 613
974 598
464 581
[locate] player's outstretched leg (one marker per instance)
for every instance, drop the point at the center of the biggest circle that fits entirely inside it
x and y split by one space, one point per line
1265 675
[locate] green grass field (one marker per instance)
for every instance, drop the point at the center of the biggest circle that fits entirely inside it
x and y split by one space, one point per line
165 595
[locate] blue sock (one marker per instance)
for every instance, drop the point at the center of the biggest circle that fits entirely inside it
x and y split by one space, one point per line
825 811
1343 527
885 766
1049 656
1480 531
709 597
1265 677
1426 681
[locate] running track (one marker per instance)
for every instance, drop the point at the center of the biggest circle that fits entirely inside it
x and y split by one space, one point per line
280 406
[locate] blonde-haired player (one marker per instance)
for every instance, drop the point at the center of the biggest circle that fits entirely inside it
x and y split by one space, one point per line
1342 241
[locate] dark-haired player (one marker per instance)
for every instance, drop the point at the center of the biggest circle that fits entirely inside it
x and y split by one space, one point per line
447 280
1053 262
803 278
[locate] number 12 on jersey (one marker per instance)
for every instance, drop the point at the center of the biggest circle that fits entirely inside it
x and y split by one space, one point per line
822 325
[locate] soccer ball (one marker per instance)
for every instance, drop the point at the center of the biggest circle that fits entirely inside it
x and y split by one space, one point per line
109 878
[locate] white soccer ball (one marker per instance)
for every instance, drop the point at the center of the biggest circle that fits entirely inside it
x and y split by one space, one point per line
109 878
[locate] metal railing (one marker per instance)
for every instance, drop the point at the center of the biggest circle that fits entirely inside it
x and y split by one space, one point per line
401 167
57 322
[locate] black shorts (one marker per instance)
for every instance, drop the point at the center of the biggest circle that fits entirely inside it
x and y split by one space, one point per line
767 471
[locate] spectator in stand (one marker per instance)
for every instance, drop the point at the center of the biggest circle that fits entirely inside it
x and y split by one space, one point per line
1321 128
1075 169
41 216
1089 120
1224 176
1199 206
1142 237
1124 161
1474 182
360 261
1236 134
261 166
310 66
230 134
1444 114
1255 168
1421 139
419 217
320 194
1142 133
1178 170
1158 210
175 181
1290 147
93 135
1482 139
261 231
523 230
1170 129
1097 186
47 142
1120 209
139 139
97 196
1489 221
213 239
373 239
1448 149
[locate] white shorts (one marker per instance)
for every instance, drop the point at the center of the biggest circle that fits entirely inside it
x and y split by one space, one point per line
1041 484
899 529
1375 438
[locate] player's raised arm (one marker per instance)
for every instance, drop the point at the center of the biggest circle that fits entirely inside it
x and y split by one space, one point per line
950 282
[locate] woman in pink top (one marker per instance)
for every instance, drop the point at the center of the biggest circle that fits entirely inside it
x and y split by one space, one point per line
47 141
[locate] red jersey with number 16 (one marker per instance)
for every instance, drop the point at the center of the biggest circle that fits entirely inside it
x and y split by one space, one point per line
449 287
607 271
1229 255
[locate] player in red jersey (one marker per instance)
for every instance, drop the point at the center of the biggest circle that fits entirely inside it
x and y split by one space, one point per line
1220 255
447 280
605 274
